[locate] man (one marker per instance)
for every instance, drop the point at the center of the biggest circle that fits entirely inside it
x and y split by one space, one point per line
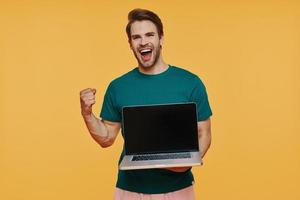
152 82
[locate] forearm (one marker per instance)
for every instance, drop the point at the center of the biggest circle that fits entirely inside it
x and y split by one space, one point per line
97 129
204 141
204 135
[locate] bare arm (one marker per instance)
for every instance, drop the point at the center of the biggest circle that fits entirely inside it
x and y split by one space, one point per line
204 135
103 132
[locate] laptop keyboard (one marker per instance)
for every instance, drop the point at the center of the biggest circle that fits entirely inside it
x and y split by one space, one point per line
161 156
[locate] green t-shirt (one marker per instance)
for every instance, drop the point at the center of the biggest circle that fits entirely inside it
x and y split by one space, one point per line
175 85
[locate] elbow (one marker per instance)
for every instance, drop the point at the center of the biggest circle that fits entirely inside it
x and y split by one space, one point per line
103 142
106 144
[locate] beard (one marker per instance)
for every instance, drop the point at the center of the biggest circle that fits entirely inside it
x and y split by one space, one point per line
155 54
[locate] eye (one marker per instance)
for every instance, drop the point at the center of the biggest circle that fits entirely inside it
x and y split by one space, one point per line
150 34
134 37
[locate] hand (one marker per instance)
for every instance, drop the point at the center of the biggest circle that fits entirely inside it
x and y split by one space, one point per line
178 169
87 100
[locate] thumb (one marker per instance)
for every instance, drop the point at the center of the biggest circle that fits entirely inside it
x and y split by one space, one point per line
94 90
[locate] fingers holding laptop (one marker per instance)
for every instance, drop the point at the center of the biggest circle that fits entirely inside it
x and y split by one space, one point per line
87 100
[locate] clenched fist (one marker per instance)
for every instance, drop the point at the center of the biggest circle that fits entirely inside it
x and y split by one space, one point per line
87 100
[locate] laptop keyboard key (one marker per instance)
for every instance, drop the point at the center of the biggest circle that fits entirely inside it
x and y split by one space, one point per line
161 156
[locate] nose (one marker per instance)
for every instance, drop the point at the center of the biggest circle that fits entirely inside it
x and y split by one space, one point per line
144 41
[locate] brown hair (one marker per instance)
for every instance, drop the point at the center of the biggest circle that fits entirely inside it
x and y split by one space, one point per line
139 14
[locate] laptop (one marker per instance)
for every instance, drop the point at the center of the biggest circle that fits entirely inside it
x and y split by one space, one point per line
160 136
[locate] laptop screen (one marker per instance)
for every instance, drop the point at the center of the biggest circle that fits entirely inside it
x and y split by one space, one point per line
160 128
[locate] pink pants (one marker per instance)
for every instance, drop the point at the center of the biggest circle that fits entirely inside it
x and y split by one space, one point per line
183 194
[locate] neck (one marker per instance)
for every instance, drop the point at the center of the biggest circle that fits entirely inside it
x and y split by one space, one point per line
159 67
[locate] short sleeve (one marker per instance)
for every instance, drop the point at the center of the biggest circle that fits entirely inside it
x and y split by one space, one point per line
199 96
109 109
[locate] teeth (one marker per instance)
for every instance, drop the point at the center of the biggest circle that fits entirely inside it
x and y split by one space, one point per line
145 50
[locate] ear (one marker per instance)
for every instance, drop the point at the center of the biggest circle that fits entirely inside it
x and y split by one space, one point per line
130 45
161 40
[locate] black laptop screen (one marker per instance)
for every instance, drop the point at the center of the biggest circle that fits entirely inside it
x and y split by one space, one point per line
160 128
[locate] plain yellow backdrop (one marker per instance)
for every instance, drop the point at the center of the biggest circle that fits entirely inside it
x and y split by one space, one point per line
246 52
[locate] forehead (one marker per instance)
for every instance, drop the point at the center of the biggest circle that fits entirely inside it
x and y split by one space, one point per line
142 27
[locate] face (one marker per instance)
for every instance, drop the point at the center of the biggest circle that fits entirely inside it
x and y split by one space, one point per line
145 43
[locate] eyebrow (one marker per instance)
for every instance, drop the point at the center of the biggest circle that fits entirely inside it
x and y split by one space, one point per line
150 33
137 35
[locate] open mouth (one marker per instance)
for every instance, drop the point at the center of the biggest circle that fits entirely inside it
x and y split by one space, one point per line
146 54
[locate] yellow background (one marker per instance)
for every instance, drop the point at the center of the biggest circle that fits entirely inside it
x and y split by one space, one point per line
246 52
